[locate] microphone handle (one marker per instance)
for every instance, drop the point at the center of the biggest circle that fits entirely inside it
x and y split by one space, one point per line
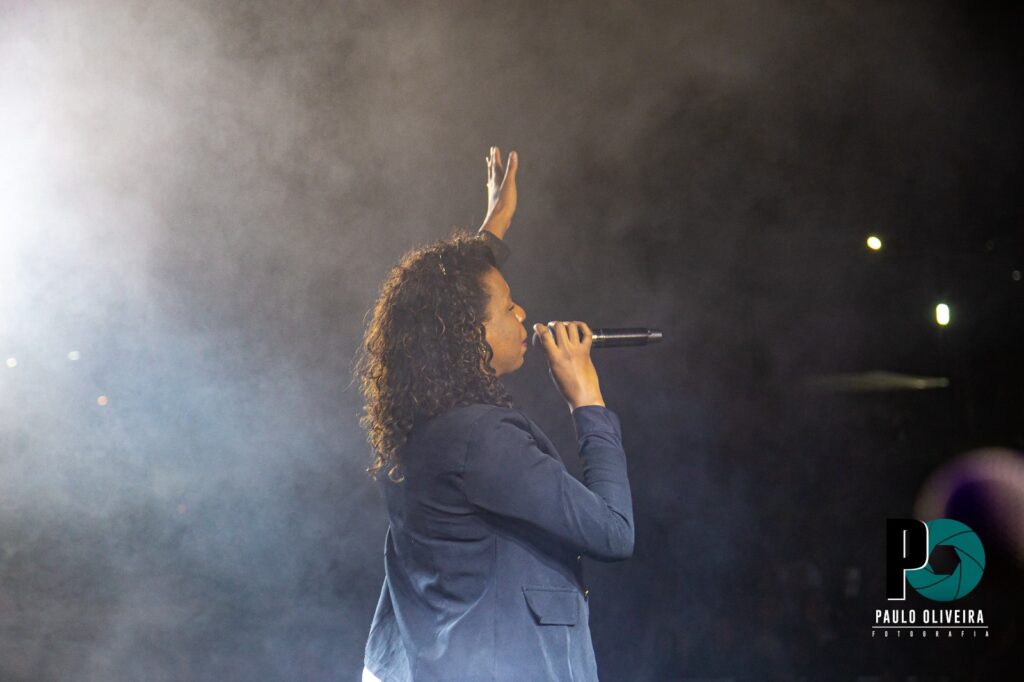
609 337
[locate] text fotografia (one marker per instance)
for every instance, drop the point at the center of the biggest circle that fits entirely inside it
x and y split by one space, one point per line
946 623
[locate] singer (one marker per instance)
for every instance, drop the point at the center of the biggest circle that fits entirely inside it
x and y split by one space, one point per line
487 528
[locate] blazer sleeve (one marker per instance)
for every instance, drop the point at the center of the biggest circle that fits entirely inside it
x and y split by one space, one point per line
506 473
498 247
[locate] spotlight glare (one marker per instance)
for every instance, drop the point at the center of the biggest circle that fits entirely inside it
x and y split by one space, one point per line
74 355
942 314
874 243
12 362
102 401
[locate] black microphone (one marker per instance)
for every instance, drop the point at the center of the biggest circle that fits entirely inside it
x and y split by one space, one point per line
615 337
611 337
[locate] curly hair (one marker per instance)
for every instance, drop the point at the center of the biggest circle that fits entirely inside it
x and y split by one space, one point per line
424 350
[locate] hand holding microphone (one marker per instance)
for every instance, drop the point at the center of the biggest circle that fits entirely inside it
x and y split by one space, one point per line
567 345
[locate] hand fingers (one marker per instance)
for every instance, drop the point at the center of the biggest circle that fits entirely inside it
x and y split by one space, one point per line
573 329
513 166
547 339
497 172
561 334
588 335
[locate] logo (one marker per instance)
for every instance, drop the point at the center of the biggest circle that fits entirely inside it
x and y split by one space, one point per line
912 547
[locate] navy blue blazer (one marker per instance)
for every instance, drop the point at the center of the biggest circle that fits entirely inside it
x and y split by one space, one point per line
483 576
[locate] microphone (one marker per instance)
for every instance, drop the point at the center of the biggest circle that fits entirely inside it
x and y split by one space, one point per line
612 337
615 337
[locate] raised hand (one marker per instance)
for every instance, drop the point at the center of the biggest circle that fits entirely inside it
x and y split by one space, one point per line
501 192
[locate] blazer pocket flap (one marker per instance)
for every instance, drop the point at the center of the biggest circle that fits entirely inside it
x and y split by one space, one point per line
553 605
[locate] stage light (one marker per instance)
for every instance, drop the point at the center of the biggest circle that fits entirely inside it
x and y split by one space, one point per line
874 243
102 401
74 355
12 362
942 314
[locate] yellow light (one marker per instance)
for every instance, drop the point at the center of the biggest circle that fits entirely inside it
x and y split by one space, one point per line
874 243
942 314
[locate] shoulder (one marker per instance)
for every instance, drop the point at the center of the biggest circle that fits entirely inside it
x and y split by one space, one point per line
494 429
481 426
469 422
479 417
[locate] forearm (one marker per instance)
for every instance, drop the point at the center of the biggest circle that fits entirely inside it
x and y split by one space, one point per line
604 473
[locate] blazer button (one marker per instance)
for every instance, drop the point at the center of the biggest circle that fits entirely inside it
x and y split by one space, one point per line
579 557
586 594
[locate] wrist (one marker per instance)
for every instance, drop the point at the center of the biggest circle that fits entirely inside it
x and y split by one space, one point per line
495 227
586 402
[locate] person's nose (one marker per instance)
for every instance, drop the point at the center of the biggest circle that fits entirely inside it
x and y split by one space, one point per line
522 313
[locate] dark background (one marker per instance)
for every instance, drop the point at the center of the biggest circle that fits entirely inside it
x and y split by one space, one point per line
203 198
